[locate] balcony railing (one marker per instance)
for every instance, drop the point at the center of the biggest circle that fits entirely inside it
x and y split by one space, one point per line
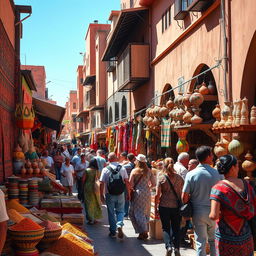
199 5
133 67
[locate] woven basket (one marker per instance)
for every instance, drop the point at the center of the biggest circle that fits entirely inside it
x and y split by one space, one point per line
26 239
50 236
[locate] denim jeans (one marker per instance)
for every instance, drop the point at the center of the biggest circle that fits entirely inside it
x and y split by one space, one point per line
204 229
126 205
170 219
115 206
57 172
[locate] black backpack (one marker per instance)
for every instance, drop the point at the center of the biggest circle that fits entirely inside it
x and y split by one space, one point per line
116 185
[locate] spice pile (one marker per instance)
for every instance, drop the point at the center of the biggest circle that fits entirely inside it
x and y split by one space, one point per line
14 216
14 204
71 245
25 225
49 225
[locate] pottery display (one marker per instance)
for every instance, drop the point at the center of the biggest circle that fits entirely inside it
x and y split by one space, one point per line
187 117
163 111
17 166
23 171
226 113
253 115
204 89
235 147
28 164
30 171
244 112
219 150
248 165
156 121
196 119
186 98
170 104
196 99
238 113
216 113
178 99
36 171
234 113
212 88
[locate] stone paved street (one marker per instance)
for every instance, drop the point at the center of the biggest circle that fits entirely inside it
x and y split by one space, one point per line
129 246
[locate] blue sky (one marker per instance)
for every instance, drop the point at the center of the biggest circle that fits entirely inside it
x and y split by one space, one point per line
54 36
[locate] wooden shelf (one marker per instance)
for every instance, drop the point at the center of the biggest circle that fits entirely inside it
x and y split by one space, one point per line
193 127
241 128
210 98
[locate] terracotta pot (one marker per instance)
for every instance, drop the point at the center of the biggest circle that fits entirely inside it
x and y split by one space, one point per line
30 171
212 88
150 120
150 112
187 117
156 111
196 119
244 112
196 99
186 98
23 171
34 164
179 114
248 165
156 122
234 114
204 89
178 99
219 150
145 119
182 146
170 104
40 164
253 115
36 171
163 111
235 147
216 112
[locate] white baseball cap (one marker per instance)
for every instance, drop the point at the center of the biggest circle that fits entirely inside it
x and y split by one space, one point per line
141 158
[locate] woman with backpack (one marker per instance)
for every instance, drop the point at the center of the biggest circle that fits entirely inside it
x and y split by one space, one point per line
91 192
141 180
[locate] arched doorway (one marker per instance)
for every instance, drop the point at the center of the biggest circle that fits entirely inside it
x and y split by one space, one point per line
167 96
110 116
124 108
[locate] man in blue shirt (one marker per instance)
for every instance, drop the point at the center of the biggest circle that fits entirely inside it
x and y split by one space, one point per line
197 188
101 161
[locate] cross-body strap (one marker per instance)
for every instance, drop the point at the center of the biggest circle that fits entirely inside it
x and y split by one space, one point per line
172 187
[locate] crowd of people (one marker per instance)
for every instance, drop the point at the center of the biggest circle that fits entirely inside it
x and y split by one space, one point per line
222 203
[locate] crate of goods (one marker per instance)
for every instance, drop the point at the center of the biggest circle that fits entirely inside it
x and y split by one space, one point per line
51 205
33 192
155 226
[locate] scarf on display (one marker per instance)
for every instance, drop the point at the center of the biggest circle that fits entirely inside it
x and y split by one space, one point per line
130 137
111 146
139 140
134 136
125 137
165 133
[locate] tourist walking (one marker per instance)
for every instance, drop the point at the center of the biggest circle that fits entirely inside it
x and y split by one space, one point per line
58 160
181 166
141 180
79 172
67 172
113 181
90 195
128 167
197 188
232 205
168 198
77 157
100 159
192 164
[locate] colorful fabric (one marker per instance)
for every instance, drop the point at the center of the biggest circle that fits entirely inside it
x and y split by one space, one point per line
233 234
91 202
111 145
166 133
134 137
139 212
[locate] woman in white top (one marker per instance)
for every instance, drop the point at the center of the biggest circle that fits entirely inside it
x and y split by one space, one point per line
67 172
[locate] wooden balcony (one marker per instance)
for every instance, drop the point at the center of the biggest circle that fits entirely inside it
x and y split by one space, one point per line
199 5
133 67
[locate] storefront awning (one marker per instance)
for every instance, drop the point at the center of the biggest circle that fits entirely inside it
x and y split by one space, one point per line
49 115
89 80
127 21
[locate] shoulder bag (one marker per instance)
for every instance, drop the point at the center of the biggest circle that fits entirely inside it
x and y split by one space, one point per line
186 210
134 187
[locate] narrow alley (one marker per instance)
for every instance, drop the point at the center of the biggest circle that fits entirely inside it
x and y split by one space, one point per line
106 246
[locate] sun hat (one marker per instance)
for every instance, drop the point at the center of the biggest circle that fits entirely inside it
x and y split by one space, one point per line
141 158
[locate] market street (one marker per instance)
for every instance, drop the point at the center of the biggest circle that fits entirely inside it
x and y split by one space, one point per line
106 246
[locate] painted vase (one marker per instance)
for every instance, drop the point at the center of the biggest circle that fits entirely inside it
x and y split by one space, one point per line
216 112
219 150
187 117
253 115
226 112
244 112
186 98
196 119
163 111
182 146
248 165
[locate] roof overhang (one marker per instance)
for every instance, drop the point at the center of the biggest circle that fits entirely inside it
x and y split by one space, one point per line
89 80
50 115
95 108
29 79
127 21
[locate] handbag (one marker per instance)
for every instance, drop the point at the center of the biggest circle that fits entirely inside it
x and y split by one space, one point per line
186 210
132 194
